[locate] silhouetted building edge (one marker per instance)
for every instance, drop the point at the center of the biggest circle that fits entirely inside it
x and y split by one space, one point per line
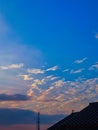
87 118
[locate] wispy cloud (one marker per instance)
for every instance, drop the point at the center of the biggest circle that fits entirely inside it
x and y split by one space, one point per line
66 70
51 77
76 71
94 67
36 71
52 68
26 77
12 66
96 35
80 61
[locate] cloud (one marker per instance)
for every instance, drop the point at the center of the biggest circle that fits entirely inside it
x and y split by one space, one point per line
64 95
26 77
49 119
39 85
16 116
96 35
36 71
51 77
39 82
59 83
76 71
12 66
13 57
66 70
16 97
48 94
4 28
35 90
19 116
94 67
80 61
52 68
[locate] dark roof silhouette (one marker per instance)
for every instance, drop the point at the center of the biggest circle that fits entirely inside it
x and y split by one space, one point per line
86 118
63 121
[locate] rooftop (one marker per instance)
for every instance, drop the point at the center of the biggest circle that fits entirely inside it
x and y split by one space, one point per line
88 117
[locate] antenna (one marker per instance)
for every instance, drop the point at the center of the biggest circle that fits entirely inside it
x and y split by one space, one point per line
38 121
73 111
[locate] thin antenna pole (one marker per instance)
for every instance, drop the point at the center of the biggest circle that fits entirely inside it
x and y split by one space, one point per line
38 121
72 111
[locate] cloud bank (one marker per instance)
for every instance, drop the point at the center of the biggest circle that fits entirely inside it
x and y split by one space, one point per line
16 97
19 116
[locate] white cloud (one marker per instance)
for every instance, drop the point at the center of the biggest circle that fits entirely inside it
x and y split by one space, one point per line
80 61
12 66
26 77
52 68
36 71
94 67
76 71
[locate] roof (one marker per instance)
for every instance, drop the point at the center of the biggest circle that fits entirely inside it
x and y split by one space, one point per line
88 117
63 121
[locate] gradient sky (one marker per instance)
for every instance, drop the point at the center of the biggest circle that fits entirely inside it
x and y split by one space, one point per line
48 55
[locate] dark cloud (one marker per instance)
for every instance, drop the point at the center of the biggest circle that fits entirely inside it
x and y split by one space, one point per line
16 97
9 116
51 119
15 116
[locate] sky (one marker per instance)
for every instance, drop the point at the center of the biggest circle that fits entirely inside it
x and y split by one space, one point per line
48 58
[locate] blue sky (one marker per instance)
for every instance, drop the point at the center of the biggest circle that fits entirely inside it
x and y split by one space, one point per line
49 51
